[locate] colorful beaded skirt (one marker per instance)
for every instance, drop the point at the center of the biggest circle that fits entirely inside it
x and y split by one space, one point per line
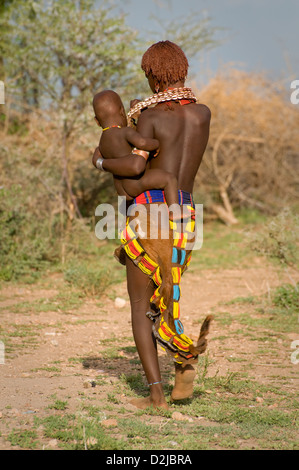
164 261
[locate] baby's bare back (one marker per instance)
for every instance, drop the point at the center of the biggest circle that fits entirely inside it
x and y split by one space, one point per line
114 143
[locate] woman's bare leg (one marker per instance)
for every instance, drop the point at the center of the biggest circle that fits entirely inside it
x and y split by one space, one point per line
140 289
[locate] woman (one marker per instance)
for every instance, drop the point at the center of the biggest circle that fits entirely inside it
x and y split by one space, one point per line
182 129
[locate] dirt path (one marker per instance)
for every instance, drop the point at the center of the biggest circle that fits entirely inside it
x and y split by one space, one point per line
43 355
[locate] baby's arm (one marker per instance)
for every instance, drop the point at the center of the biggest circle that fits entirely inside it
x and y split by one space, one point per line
140 142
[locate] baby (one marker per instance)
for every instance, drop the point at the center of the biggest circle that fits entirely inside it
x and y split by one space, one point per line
131 177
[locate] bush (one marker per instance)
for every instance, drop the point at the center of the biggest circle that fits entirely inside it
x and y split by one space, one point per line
90 280
252 156
287 296
24 248
279 239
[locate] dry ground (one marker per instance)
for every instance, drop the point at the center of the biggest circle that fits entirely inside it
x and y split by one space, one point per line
43 373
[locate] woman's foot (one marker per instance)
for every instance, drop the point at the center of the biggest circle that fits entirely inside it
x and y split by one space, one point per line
184 378
143 403
155 400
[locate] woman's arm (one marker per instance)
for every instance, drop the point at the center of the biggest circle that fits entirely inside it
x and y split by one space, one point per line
129 166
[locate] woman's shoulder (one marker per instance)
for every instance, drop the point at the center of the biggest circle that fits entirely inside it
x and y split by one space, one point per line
203 111
147 114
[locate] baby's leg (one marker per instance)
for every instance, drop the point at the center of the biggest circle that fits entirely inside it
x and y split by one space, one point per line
154 179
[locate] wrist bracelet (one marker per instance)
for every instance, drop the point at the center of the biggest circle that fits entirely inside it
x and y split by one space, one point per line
99 164
142 153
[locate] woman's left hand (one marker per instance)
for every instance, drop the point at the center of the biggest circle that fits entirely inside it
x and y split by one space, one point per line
96 154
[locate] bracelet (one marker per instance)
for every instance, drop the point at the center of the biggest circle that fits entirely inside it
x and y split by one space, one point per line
142 153
99 163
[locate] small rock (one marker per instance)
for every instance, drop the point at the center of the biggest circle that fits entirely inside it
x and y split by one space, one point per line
119 302
173 443
176 415
52 443
180 417
89 383
259 399
109 423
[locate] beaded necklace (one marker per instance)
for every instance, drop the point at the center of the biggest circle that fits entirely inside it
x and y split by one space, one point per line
171 94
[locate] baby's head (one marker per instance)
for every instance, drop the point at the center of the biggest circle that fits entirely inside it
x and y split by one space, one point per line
109 109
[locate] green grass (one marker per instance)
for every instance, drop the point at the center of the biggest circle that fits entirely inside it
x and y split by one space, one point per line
222 248
231 411
58 405
66 300
235 410
25 439
78 432
279 314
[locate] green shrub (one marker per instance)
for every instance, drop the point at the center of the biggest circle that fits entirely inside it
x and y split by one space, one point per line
25 248
287 296
279 238
91 280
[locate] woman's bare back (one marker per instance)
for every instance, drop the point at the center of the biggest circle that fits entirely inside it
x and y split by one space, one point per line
183 133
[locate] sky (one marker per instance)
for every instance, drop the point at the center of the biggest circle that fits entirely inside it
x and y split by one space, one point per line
255 35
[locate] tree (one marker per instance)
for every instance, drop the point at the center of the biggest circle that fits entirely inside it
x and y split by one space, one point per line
3 5
59 54
193 33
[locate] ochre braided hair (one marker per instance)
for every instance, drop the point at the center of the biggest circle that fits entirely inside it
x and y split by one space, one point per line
166 62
